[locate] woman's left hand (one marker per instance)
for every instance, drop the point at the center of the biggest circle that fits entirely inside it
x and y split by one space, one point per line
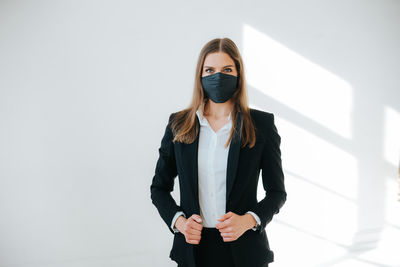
232 226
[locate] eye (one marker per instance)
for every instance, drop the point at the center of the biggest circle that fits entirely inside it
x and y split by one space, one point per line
207 70
230 70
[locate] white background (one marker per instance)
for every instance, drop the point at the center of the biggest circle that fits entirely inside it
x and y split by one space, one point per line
86 88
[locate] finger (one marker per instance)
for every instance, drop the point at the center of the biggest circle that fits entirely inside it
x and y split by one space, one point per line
194 231
227 234
195 242
196 218
226 216
227 229
228 239
193 238
223 224
195 225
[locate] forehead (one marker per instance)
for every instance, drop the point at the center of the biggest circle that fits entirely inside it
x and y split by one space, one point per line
218 59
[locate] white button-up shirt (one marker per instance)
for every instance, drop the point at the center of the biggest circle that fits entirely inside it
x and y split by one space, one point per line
212 164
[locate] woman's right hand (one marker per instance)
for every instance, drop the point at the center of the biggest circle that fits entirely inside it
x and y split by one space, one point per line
190 227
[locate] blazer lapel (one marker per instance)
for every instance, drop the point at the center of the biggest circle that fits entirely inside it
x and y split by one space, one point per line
190 156
233 157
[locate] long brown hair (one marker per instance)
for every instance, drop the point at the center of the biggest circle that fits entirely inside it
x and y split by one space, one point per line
184 126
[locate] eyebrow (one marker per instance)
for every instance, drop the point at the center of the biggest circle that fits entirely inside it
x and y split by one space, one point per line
213 67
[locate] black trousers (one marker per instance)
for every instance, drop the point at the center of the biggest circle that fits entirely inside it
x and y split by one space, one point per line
212 251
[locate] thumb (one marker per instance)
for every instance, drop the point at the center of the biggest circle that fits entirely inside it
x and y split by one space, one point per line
225 216
197 218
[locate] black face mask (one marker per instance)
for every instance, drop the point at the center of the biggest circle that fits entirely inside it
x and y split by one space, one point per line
219 87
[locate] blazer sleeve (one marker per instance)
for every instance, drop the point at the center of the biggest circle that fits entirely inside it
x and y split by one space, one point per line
163 179
272 176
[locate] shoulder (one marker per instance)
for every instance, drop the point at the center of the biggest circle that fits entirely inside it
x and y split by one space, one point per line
172 115
265 122
175 119
261 118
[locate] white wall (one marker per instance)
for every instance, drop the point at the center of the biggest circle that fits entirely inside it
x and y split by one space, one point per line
86 88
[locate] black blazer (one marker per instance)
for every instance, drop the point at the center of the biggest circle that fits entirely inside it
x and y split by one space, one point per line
243 169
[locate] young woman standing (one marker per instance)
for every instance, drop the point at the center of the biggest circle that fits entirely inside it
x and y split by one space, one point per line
218 146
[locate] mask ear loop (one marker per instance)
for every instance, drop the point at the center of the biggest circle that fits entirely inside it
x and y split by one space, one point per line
205 100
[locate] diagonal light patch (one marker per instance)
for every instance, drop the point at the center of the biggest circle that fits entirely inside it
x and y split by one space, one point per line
391 139
321 181
295 81
322 177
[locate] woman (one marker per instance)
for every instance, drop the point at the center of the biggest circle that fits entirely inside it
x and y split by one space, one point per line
217 146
